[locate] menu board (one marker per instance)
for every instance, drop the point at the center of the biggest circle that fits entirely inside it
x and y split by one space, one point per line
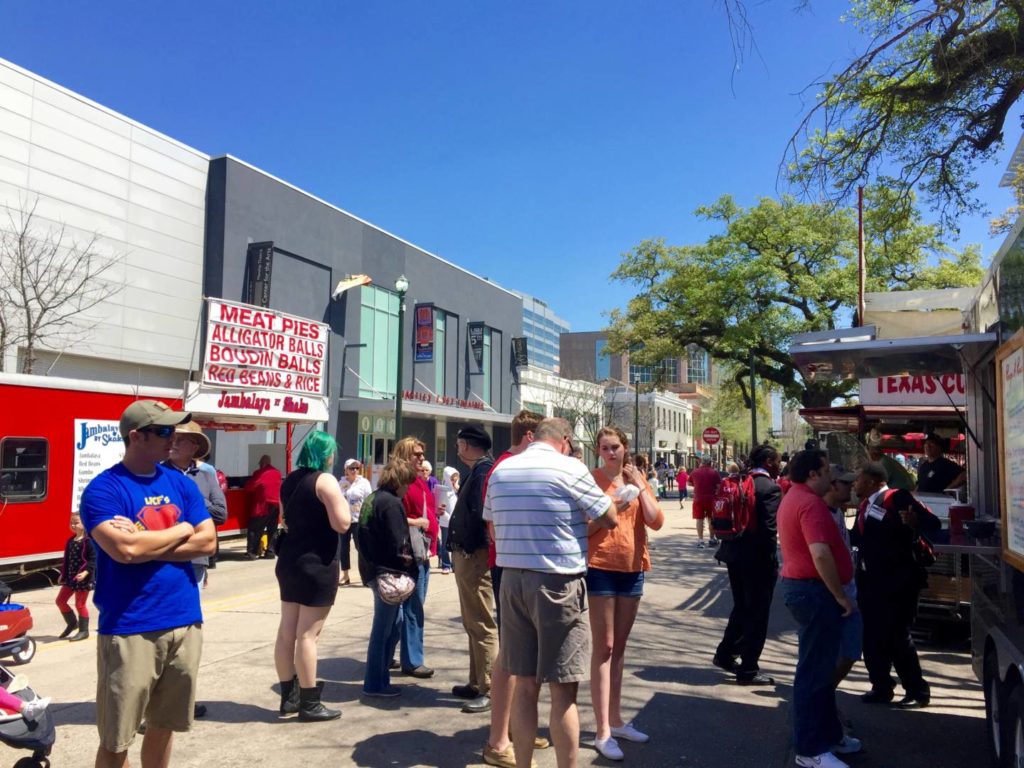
1010 417
98 445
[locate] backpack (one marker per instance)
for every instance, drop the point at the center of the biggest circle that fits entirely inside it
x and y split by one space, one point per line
732 510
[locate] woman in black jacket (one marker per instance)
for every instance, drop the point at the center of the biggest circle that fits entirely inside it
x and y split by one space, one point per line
384 543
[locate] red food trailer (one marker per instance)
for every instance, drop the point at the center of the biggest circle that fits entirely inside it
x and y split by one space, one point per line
55 435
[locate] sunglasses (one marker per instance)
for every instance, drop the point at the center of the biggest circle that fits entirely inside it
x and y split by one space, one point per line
418 454
571 448
162 431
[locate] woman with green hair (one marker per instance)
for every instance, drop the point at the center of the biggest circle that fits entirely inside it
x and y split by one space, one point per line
315 514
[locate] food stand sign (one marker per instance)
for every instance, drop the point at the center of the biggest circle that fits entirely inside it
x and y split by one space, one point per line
262 364
98 445
1010 421
935 389
711 435
251 347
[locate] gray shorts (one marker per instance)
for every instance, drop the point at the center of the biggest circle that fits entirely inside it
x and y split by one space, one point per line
544 628
151 675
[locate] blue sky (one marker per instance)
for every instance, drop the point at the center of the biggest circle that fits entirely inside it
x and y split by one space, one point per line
530 142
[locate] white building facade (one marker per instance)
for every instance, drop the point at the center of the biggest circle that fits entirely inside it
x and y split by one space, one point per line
580 402
665 422
142 195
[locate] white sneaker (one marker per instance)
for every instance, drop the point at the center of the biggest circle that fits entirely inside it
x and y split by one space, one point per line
609 748
30 710
824 760
700 544
848 746
629 733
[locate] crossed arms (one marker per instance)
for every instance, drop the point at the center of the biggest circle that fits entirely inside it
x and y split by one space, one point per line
125 543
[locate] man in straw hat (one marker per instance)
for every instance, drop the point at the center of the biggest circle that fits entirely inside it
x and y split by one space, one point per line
149 522
189 449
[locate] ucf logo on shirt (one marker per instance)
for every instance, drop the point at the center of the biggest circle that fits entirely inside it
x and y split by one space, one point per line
158 514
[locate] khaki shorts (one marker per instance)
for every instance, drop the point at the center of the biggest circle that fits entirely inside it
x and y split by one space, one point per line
544 628
151 675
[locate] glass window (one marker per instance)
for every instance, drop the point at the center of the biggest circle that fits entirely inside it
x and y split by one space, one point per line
440 321
23 468
697 368
378 328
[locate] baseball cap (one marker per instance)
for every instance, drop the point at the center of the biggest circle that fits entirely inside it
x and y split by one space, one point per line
474 434
353 464
842 474
147 413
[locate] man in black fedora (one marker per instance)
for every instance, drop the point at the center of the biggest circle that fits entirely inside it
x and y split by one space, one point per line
469 540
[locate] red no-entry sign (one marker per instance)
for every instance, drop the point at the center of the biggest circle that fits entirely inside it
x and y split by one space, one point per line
711 435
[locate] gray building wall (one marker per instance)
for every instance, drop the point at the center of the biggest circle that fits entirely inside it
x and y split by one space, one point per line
316 245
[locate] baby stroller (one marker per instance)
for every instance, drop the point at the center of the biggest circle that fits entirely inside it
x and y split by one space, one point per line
15 622
37 735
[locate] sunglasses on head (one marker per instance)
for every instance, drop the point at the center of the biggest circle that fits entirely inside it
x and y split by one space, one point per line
161 431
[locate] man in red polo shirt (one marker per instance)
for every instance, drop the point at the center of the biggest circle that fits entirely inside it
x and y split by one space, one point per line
705 480
816 564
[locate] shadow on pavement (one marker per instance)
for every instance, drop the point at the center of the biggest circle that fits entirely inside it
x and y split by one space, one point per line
420 748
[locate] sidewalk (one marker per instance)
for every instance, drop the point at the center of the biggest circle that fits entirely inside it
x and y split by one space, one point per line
695 715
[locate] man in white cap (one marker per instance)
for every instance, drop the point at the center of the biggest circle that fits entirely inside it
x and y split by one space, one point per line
149 523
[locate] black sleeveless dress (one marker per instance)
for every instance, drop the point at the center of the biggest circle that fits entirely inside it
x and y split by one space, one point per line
307 563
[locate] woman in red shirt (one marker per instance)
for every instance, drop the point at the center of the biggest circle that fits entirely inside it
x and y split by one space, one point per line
422 516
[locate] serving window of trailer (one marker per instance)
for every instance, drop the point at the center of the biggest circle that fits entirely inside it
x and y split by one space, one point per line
23 468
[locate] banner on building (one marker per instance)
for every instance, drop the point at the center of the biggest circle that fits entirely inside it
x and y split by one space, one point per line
424 314
520 352
259 263
250 347
476 344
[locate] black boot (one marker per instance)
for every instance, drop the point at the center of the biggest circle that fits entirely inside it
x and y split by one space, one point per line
83 629
310 708
290 696
72 623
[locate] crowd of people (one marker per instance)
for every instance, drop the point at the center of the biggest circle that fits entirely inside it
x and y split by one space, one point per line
549 560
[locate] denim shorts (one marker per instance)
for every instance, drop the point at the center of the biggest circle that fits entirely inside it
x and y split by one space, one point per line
601 583
851 638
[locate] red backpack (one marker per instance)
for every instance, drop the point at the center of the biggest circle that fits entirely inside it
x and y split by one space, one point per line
732 511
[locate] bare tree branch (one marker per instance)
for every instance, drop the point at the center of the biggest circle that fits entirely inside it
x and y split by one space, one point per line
48 281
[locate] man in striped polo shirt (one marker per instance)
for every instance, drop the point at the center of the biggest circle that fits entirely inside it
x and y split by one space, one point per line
540 502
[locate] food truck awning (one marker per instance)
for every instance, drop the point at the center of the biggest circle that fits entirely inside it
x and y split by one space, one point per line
855 353
855 418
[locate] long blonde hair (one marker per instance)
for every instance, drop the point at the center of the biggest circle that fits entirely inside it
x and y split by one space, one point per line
406 447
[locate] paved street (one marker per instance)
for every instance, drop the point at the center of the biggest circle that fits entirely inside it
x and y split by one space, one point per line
694 715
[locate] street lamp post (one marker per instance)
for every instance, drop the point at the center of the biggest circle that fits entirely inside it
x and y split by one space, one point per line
401 286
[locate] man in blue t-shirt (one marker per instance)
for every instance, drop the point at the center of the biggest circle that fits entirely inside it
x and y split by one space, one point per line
149 524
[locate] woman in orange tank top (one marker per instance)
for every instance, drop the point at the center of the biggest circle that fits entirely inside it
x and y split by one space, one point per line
616 563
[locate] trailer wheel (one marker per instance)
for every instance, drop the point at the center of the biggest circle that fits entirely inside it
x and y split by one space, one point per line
24 656
995 709
1013 725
